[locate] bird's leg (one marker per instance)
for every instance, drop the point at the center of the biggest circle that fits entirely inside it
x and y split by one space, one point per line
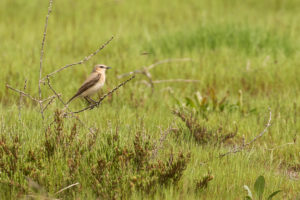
90 99
87 99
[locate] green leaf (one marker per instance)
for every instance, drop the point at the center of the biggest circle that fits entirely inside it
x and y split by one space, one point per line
273 194
190 102
248 198
249 192
259 186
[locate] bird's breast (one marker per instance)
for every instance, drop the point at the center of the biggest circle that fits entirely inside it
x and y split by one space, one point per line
92 90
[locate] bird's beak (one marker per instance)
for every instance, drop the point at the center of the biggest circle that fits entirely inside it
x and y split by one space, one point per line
108 67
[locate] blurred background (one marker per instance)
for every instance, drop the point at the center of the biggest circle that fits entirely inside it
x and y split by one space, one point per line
243 58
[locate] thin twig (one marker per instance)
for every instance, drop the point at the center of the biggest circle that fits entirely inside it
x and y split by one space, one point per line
81 61
42 54
240 148
66 188
49 102
56 94
32 98
20 100
282 145
66 106
146 70
49 98
90 107
23 93
143 69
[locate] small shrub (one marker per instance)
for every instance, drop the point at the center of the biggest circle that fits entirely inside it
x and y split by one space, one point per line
200 133
203 182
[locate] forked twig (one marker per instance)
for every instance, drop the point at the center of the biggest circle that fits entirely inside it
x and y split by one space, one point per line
240 148
81 61
29 96
146 72
23 93
49 102
90 107
55 93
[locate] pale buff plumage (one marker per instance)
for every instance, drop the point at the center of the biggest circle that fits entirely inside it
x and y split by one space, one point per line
93 83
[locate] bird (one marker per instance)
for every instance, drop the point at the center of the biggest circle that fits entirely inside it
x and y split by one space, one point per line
92 84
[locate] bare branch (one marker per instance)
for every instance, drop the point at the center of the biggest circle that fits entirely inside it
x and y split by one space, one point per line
81 61
66 107
23 93
144 70
90 107
49 102
240 148
30 97
67 188
42 54
56 94
20 100
49 98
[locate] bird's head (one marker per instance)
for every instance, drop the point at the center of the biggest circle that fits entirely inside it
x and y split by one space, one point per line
100 68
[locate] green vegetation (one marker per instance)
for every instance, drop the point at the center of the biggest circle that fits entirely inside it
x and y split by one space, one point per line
163 142
259 188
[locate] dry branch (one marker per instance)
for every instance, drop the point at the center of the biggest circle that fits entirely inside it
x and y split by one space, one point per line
90 107
81 61
42 55
145 70
20 100
29 96
49 102
242 147
23 93
55 93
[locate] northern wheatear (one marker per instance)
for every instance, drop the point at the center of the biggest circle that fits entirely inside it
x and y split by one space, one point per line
92 84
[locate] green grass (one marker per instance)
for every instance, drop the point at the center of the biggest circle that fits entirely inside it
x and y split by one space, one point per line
245 51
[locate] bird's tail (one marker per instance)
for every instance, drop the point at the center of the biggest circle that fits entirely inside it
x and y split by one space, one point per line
76 95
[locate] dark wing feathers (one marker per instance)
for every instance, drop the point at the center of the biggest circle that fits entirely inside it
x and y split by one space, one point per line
90 81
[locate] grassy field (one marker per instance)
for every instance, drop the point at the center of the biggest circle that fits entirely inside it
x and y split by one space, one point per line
152 143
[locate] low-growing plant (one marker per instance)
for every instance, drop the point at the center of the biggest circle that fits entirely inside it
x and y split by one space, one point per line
202 183
259 187
115 170
200 132
208 102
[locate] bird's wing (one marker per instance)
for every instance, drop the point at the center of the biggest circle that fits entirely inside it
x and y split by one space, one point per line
89 82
